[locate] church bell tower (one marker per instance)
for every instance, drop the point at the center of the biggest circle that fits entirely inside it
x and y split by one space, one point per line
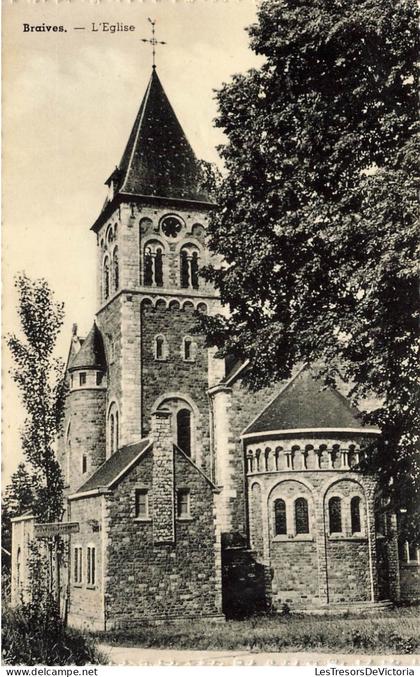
151 242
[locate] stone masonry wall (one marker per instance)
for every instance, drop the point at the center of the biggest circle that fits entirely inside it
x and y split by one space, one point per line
163 478
150 581
174 376
241 406
311 570
86 601
410 581
86 435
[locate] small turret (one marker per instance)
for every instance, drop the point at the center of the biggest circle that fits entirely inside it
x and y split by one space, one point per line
85 439
88 367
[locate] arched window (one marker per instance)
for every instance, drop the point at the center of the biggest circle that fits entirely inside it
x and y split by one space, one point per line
117 432
153 265
106 278
189 261
334 512
115 267
183 421
113 429
356 525
184 269
84 463
301 516
280 523
112 432
148 267
160 348
159 268
189 349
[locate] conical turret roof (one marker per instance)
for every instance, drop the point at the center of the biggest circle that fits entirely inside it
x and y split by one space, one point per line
158 160
92 353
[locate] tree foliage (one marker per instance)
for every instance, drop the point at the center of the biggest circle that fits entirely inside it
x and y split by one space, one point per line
39 377
317 225
17 499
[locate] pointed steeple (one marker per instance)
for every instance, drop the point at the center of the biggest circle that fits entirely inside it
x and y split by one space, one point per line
158 161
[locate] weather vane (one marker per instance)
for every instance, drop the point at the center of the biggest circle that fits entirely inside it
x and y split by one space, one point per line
152 41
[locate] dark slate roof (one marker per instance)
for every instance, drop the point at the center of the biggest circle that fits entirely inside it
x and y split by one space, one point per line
108 472
304 403
92 353
158 160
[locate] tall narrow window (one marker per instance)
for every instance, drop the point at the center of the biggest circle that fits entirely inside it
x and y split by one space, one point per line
142 504
148 267
356 525
91 565
184 270
183 503
189 267
84 463
106 279
116 272
117 432
280 524
82 378
160 348
77 565
153 265
194 270
301 516
334 512
112 432
189 349
183 420
158 268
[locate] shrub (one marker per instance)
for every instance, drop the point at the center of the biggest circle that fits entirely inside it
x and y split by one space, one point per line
34 635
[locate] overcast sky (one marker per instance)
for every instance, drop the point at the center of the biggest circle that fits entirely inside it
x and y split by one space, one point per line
69 101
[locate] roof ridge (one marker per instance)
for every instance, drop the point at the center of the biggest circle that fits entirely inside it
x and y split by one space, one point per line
143 109
176 447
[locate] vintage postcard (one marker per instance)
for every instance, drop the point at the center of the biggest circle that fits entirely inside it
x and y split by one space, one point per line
208 323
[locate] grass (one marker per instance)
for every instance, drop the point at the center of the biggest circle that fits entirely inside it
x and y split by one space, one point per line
395 631
32 637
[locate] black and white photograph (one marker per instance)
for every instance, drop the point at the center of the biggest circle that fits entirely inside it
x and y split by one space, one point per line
210 439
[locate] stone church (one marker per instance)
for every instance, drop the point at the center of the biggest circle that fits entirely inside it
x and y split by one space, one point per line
194 497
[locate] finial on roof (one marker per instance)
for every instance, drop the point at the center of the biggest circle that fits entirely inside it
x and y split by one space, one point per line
152 41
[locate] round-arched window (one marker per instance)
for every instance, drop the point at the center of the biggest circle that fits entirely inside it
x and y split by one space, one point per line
183 425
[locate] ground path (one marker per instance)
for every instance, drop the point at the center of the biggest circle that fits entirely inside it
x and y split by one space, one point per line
123 655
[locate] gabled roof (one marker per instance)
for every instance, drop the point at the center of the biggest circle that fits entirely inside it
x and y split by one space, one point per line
158 161
114 466
92 353
305 404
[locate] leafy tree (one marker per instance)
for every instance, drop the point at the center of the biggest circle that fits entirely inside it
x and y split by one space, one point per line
317 220
39 377
17 499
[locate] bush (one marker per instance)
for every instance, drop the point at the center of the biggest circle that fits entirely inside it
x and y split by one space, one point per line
33 635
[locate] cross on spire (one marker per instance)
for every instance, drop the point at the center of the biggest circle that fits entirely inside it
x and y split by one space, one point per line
152 41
